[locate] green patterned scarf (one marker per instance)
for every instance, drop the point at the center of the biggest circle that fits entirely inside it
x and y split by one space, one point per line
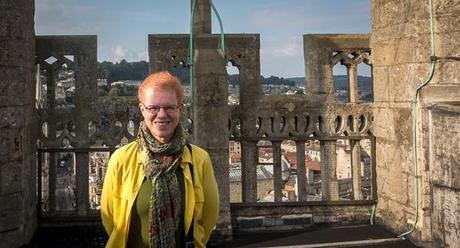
160 164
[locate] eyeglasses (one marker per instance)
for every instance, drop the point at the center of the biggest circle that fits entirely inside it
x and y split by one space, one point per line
154 109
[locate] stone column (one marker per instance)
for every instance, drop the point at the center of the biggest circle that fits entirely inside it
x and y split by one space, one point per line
210 116
18 125
249 160
329 185
352 71
201 17
318 68
301 175
277 174
356 169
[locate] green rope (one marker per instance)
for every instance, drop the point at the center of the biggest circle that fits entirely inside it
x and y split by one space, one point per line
222 35
372 214
190 54
414 123
222 44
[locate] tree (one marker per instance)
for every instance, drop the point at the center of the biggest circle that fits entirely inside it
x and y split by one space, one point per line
114 91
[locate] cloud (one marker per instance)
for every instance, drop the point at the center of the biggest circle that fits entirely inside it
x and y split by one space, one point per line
291 48
119 52
65 17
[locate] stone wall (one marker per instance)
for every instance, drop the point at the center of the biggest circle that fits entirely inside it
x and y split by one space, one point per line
17 123
401 52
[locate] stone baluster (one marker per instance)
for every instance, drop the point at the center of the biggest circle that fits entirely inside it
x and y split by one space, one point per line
301 175
249 159
329 184
82 182
52 181
277 171
356 169
352 70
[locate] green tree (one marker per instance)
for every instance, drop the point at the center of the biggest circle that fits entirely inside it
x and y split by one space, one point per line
114 91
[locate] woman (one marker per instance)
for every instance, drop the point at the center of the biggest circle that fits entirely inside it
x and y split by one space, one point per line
159 191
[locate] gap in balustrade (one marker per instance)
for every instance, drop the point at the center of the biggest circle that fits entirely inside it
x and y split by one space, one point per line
233 73
44 168
59 167
365 83
265 178
40 88
313 170
64 78
288 168
98 162
341 83
235 173
344 171
366 168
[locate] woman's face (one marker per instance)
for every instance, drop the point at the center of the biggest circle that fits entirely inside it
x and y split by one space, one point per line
161 111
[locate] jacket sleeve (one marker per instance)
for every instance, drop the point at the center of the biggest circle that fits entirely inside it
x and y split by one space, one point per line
106 197
211 203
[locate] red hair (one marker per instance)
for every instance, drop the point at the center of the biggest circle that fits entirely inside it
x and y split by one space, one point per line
162 80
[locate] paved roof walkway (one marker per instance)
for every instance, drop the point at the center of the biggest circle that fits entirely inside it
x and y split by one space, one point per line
319 236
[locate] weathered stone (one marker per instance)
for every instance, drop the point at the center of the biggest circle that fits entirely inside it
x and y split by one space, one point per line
446 220
17 90
10 178
250 222
304 219
381 91
401 58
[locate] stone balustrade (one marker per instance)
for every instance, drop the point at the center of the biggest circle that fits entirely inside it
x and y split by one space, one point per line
72 132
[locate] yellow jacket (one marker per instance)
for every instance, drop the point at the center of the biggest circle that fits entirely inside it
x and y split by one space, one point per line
123 180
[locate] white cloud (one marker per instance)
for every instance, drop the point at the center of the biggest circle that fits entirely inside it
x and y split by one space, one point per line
119 52
289 48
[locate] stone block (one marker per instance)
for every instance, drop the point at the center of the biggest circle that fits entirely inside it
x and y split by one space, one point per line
301 219
445 147
383 124
381 83
445 218
446 7
390 13
12 117
10 144
404 79
383 53
250 222
272 221
10 220
10 178
10 202
445 24
447 73
12 84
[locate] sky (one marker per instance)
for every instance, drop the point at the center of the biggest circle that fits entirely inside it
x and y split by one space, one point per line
122 26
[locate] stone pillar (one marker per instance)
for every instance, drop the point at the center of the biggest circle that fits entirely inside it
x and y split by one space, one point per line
277 174
352 71
210 116
329 185
401 53
356 169
82 183
301 174
18 127
318 68
202 17
249 160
